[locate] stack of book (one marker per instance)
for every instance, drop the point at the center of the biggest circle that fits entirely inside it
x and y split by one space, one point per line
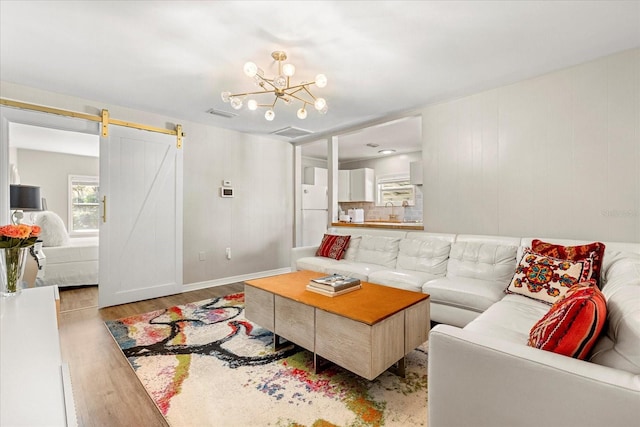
333 285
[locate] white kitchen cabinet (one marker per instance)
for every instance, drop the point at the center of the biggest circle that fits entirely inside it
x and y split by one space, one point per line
315 176
362 185
344 185
356 185
415 172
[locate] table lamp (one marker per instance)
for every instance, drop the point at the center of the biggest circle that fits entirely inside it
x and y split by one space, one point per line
23 198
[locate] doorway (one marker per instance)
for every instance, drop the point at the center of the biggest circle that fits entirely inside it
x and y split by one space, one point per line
65 166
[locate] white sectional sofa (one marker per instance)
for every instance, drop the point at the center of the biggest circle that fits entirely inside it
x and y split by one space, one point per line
481 370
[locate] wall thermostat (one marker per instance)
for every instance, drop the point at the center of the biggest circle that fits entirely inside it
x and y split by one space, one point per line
226 183
226 192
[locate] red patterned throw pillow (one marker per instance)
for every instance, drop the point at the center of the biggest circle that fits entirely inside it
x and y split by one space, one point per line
572 325
593 250
545 278
333 246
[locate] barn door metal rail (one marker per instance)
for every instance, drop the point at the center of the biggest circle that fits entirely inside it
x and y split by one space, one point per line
103 118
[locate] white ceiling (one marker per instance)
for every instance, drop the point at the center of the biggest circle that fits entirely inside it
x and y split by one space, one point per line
381 57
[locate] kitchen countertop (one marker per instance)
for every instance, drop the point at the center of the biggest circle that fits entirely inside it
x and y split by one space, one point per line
382 224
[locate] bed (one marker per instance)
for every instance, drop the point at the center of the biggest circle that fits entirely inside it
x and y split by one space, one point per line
68 261
75 264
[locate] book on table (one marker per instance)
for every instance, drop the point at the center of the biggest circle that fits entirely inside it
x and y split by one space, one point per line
335 282
312 288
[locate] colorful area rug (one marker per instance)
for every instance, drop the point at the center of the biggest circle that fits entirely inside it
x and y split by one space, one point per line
204 364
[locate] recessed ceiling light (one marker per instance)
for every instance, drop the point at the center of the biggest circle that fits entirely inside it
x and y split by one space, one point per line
386 151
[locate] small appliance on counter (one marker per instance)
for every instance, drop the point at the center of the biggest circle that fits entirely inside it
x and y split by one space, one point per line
344 218
357 215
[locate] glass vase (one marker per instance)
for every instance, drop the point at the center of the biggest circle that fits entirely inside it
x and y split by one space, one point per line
12 263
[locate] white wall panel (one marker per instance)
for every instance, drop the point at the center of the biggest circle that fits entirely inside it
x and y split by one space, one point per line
256 224
557 155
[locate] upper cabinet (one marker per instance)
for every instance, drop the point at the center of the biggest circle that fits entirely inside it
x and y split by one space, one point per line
415 172
344 186
356 185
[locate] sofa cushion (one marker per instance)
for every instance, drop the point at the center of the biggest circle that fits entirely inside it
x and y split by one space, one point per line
333 246
509 319
462 292
358 270
315 263
618 347
593 251
378 250
546 278
428 256
573 324
404 279
352 248
484 261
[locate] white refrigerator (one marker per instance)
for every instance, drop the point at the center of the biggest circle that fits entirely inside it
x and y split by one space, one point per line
315 211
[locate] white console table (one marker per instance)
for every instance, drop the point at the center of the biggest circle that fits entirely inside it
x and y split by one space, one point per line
35 386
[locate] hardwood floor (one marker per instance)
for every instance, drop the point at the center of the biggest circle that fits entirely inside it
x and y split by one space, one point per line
105 389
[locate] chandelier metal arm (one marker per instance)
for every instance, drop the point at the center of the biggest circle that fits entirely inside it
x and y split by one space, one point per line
292 95
252 93
310 94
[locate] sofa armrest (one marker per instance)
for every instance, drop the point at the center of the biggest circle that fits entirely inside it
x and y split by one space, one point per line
301 252
484 381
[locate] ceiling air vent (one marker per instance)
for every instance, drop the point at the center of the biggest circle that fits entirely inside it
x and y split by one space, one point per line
292 132
225 114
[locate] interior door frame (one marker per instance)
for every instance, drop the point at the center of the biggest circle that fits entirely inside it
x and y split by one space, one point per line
10 115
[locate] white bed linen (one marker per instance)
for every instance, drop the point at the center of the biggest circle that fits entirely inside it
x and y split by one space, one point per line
72 265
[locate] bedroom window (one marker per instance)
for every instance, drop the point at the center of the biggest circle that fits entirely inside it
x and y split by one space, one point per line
84 205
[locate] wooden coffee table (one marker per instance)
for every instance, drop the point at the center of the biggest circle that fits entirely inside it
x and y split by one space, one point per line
366 331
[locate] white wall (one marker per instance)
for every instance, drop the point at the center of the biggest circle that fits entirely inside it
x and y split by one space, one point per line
257 224
554 156
50 171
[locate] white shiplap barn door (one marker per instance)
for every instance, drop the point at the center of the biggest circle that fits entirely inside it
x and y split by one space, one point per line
141 234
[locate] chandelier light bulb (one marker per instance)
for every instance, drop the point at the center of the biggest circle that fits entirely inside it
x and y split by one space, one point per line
236 103
280 82
288 70
320 103
302 113
269 115
324 110
321 80
252 104
250 69
225 96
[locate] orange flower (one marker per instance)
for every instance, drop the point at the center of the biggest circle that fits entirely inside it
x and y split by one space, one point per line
24 231
35 230
12 231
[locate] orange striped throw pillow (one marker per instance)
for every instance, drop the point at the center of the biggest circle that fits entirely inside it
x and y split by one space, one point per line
573 324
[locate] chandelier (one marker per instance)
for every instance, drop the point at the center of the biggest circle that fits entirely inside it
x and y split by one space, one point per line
282 89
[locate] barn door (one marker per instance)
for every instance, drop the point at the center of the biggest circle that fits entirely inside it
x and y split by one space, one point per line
141 231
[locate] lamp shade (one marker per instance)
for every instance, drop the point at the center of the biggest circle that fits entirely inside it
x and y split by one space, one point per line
25 198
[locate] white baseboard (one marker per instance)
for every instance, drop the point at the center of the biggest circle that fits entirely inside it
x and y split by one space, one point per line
234 279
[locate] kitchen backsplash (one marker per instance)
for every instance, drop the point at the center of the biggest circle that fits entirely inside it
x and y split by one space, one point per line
373 212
